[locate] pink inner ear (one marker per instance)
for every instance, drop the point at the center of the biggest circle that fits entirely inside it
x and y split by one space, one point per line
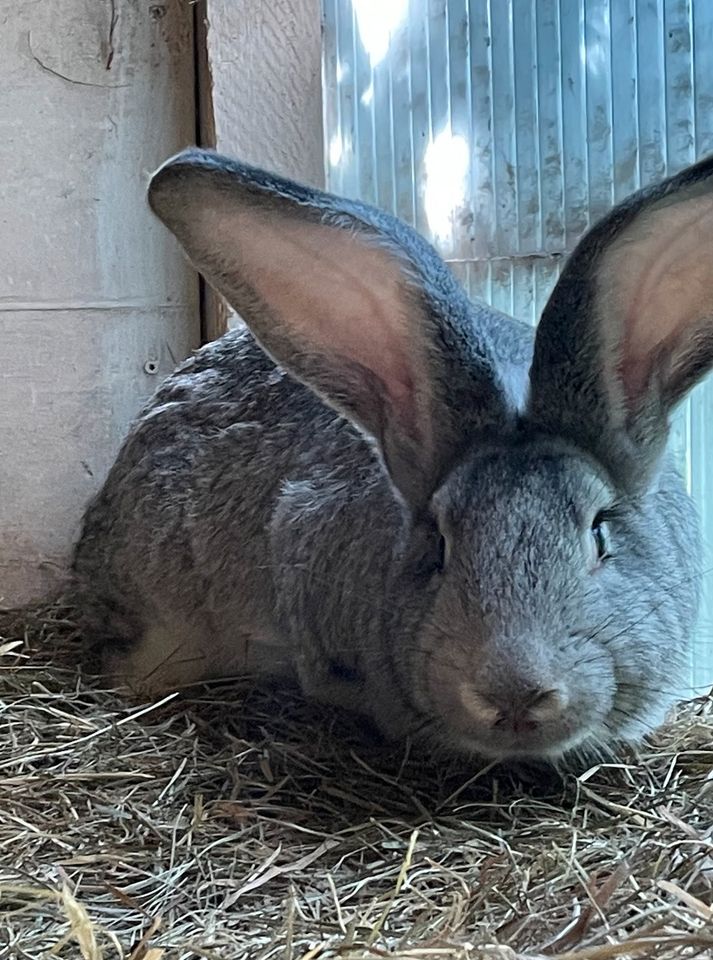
658 278
333 292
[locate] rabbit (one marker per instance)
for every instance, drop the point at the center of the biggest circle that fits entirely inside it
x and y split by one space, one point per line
420 509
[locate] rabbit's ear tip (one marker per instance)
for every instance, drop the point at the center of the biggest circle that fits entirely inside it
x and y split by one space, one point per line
175 174
185 162
191 158
199 173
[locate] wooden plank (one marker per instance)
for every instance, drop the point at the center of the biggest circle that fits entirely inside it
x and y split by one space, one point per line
265 72
75 378
93 290
265 61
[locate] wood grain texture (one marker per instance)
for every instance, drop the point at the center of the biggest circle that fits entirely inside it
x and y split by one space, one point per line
265 62
264 73
93 289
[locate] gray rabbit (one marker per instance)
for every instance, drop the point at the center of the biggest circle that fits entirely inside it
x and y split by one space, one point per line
421 509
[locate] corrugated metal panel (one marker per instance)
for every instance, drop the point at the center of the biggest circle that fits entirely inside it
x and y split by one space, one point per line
529 118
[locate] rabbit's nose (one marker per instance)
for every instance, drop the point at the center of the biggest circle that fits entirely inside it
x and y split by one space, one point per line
519 713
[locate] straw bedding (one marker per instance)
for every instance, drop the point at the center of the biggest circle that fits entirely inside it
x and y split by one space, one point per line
244 823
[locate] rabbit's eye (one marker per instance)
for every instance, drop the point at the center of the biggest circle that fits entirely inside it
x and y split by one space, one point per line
599 536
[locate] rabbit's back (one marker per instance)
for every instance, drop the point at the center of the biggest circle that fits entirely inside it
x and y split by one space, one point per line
179 534
176 547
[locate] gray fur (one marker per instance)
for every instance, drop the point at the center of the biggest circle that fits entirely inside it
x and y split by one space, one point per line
288 522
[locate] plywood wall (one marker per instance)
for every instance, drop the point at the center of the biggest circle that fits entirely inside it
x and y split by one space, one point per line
263 83
265 61
96 301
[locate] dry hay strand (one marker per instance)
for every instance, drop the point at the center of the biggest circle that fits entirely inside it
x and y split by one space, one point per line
239 822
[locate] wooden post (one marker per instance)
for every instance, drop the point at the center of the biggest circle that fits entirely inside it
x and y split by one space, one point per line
264 71
96 300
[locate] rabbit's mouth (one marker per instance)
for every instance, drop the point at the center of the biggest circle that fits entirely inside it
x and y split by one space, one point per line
521 719
537 744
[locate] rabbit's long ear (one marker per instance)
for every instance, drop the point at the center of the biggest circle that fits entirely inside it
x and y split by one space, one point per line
348 299
628 329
